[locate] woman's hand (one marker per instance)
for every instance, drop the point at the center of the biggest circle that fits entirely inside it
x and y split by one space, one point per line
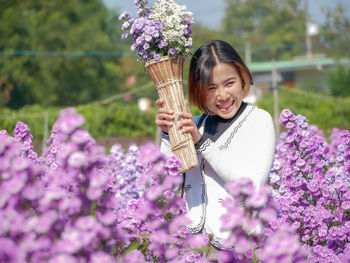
187 124
164 118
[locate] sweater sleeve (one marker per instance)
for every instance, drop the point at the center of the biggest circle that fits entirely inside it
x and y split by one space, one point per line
248 152
165 146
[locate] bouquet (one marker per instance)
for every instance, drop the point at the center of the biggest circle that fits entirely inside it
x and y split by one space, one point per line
161 39
159 31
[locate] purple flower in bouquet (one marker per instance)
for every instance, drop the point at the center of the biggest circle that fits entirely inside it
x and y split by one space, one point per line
162 44
162 30
172 51
124 15
157 57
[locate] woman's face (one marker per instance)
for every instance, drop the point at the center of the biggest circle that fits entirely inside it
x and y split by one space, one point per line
224 93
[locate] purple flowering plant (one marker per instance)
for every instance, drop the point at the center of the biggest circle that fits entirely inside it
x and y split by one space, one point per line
54 208
160 30
311 180
250 217
77 204
155 223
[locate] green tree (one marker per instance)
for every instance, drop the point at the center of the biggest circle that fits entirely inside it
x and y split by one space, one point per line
339 81
273 28
56 26
335 33
202 35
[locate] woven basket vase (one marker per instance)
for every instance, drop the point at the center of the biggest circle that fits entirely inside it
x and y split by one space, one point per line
166 74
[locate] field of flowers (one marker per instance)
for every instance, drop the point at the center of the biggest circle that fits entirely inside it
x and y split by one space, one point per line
75 203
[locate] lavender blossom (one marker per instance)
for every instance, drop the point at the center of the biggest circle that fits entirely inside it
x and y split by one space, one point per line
249 217
75 204
311 186
172 51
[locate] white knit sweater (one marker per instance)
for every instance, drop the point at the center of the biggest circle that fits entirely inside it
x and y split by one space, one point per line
245 149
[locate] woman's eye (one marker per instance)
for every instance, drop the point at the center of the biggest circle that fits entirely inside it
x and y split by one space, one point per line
229 84
211 88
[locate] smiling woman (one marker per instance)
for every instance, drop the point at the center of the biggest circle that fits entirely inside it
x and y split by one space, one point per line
219 77
225 92
233 139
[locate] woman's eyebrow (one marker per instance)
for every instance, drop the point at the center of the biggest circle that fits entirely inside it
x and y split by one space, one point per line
230 78
226 80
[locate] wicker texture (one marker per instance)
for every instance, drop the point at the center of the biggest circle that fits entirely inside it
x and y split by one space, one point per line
166 74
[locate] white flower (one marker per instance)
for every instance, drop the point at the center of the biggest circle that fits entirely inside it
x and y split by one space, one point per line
139 40
123 15
148 38
146 46
188 42
125 25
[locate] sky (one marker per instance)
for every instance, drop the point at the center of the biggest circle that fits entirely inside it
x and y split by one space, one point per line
211 12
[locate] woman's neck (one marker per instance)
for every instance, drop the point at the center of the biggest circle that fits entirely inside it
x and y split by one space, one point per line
217 118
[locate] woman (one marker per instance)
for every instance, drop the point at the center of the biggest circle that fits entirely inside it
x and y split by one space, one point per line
233 139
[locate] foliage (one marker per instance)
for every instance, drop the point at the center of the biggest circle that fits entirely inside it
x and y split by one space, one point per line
114 119
325 112
339 81
202 35
312 182
125 119
274 28
335 33
53 27
118 119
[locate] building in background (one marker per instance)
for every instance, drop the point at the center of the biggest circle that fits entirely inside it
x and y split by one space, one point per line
302 72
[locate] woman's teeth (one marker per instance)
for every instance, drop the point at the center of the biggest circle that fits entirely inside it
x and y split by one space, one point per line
225 106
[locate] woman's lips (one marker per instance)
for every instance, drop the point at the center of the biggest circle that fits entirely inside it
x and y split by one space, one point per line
226 106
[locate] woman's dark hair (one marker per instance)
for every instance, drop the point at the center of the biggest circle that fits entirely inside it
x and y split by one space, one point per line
201 68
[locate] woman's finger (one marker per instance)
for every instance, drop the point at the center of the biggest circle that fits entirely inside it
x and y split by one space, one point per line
186 115
187 129
165 111
185 122
165 117
165 114
163 123
160 103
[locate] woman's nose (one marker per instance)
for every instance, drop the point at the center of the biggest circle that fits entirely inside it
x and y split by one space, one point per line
222 93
